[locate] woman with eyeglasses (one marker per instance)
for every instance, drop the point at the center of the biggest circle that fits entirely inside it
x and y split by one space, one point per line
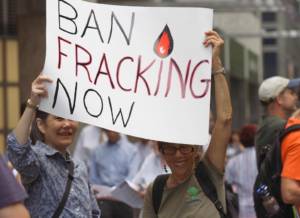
56 185
182 196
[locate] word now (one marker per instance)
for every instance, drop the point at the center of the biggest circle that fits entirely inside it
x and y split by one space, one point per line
97 100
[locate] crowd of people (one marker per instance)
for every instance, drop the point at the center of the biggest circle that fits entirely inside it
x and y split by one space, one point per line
171 180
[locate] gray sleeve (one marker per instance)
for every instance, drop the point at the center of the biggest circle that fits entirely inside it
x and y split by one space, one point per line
93 171
95 208
23 158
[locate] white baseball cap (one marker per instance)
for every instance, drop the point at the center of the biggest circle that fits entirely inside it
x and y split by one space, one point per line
271 87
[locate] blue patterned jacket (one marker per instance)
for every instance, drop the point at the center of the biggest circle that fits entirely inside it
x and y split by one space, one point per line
44 175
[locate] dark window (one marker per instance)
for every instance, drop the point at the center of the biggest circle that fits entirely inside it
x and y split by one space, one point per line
270 64
269 17
269 41
8 17
270 29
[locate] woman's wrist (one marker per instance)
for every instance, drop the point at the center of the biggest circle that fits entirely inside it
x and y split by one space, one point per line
216 63
30 104
220 70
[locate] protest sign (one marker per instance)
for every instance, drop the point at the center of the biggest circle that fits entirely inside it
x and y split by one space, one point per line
141 71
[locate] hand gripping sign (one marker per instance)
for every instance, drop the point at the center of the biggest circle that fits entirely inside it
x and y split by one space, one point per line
141 71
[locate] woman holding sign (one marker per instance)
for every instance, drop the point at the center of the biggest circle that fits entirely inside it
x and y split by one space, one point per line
56 186
196 189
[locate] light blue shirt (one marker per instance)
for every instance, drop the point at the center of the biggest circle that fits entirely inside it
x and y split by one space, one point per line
151 168
143 151
110 163
241 171
89 138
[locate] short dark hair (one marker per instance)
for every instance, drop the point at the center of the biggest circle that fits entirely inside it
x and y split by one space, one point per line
35 132
41 114
247 135
234 132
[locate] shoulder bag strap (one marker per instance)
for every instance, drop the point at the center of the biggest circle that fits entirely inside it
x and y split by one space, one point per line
276 149
208 188
70 166
288 130
157 191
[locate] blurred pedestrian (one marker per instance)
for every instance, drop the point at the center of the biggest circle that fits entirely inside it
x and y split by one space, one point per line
55 184
241 172
110 166
279 99
235 146
143 150
153 166
89 138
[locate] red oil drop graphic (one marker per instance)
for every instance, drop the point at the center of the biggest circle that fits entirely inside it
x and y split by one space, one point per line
163 46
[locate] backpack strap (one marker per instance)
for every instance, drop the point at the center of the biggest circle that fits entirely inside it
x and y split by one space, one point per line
157 191
59 209
205 183
208 187
277 146
288 130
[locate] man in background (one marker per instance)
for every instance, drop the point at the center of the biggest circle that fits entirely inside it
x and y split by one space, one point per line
278 97
110 166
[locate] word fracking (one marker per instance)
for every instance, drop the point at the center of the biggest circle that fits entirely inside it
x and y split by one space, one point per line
189 79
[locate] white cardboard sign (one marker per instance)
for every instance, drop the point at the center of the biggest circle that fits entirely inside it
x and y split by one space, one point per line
141 71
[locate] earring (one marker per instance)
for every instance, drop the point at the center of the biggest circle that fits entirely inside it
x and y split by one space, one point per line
165 168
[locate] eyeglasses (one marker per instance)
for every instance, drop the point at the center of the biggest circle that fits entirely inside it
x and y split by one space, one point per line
172 149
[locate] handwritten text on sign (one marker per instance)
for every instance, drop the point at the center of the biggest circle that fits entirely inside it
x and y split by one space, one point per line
136 70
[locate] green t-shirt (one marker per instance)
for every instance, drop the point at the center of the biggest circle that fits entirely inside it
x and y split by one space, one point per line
187 200
266 134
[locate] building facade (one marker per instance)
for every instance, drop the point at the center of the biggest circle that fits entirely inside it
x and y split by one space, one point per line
9 69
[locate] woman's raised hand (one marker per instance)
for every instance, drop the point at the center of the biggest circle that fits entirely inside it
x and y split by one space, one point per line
214 39
38 89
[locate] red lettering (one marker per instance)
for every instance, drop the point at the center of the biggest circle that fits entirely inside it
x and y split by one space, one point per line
159 77
84 59
118 73
106 72
207 81
83 64
183 83
139 75
60 53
